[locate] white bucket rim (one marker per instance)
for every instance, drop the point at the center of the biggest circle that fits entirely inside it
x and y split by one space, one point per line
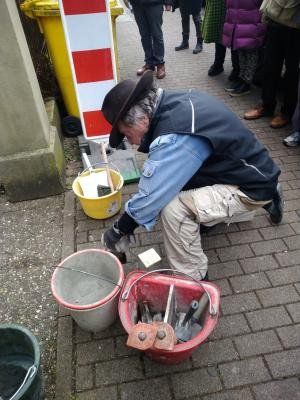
114 193
99 303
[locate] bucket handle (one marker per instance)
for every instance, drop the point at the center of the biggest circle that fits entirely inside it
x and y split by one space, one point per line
30 373
126 292
102 163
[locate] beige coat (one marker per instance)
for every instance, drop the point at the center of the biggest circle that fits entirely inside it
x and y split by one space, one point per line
285 12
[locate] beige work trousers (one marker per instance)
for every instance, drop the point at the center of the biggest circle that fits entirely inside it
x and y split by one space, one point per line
209 206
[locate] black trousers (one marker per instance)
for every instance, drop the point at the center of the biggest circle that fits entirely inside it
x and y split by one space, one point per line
149 20
296 116
282 47
220 52
185 21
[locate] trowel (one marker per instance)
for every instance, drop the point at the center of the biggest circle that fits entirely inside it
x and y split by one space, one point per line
191 324
165 337
183 327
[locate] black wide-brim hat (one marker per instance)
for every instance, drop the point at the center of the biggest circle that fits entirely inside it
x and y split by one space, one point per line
120 99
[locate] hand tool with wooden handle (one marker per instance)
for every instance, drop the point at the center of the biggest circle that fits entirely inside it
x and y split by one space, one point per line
104 156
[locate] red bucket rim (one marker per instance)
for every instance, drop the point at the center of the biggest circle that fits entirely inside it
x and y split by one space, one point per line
91 306
211 287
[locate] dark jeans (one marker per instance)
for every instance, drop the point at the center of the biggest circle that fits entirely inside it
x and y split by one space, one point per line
149 21
185 21
220 52
282 46
296 117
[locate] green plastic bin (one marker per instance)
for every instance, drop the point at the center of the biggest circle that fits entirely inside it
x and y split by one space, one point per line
20 370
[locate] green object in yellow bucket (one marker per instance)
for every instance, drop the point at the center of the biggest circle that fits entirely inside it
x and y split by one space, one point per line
100 207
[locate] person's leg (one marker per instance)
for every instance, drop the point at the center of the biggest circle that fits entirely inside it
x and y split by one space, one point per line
250 65
238 58
217 67
145 33
234 75
291 76
198 22
294 138
274 56
155 21
273 62
248 59
182 241
296 116
185 22
182 217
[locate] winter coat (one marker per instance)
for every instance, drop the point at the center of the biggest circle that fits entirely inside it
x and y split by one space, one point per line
285 12
213 21
188 7
243 27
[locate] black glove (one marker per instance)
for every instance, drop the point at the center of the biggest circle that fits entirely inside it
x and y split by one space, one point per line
111 237
115 240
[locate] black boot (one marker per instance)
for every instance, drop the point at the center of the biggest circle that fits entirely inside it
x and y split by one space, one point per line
184 44
217 67
199 46
198 23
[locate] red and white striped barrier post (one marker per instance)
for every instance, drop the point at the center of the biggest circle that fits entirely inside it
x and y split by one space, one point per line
88 34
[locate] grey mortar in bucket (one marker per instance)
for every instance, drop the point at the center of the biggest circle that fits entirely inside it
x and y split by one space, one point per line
81 289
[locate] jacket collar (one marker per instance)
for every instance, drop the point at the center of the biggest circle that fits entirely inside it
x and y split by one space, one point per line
147 138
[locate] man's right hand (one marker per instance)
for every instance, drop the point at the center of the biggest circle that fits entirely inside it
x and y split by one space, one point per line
111 237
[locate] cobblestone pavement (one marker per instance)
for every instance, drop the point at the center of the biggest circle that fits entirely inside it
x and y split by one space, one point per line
254 353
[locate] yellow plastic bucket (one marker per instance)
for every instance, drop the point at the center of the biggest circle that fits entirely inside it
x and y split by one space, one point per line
101 207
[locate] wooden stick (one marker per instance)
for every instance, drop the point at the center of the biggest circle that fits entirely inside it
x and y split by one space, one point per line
109 179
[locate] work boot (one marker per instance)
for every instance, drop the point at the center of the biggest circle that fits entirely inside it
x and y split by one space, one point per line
161 71
199 46
215 70
145 68
275 208
184 44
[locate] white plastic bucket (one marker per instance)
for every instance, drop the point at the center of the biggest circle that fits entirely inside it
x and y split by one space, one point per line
88 284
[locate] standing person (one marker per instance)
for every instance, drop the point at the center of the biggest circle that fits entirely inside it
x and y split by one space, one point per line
282 47
204 167
187 8
244 32
212 29
294 138
149 18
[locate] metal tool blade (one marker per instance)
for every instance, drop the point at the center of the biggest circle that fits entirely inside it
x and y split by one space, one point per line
170 308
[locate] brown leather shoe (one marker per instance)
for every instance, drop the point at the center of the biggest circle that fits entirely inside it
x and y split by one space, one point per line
145 68
161 71
279 121
255 113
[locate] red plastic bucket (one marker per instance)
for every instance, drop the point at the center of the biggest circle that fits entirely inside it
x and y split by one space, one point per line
154 288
